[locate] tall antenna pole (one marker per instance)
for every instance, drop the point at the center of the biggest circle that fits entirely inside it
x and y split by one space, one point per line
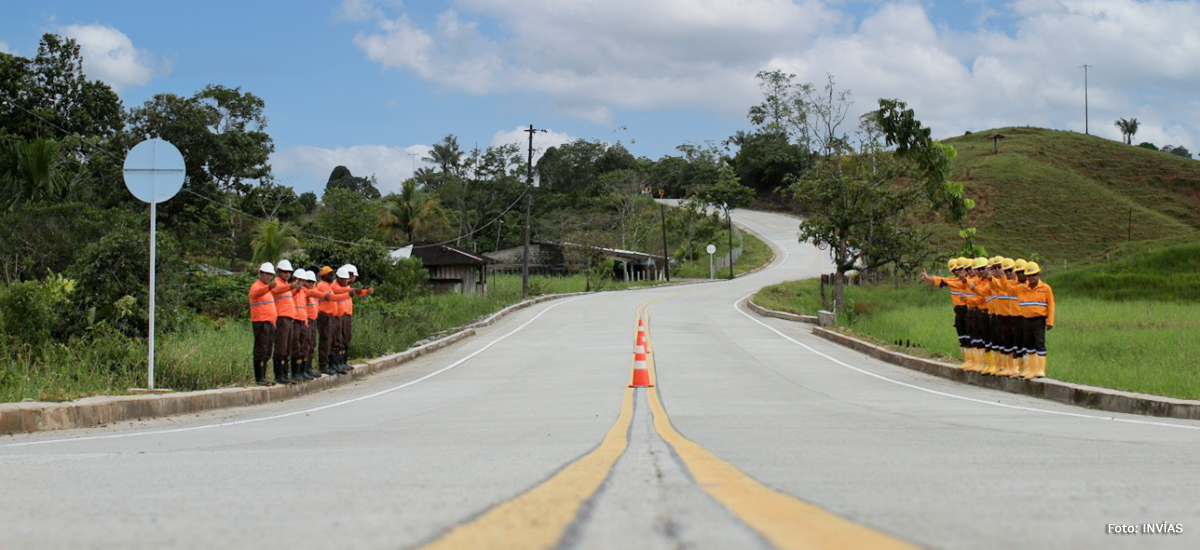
528 207
1085 99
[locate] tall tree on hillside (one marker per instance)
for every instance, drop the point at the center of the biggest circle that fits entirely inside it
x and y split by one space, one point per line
1133 128
1128 129
447 155
341 178
411 212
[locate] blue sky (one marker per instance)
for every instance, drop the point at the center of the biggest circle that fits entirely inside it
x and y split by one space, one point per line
369 83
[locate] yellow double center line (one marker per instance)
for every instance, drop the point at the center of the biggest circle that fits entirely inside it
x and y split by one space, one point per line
539 517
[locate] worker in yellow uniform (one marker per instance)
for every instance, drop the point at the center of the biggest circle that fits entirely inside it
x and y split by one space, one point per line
1007 318
981 339
1036 300
957 283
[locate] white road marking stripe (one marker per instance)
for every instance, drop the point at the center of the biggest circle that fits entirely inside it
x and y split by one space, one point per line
305 411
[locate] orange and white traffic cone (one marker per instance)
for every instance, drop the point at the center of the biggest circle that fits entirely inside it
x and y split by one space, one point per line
641 375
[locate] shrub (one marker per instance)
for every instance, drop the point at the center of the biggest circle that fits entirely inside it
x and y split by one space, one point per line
33 312
117 266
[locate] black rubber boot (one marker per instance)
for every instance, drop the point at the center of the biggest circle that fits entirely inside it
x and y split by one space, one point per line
308 368
260 372
281 376
297 376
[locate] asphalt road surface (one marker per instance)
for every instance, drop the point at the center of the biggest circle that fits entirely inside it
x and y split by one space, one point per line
756 435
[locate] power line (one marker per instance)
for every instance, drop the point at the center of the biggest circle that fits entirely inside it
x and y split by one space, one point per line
305 233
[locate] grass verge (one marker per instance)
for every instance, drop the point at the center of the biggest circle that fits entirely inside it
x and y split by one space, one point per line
1134 345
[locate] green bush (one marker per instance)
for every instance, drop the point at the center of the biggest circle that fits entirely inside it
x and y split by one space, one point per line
117 266
34 312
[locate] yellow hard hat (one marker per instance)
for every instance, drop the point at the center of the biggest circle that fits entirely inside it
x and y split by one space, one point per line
1032 268
1007 264
979 263
1019 265
995 261
952 264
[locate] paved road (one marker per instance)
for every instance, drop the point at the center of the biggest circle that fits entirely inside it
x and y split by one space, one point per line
756 435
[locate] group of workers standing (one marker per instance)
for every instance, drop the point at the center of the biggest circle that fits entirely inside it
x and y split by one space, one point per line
1002 310
294 313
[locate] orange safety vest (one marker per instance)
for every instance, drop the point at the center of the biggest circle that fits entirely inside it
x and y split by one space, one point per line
262 303
283 299
958 289
310 303
343 296
1037 301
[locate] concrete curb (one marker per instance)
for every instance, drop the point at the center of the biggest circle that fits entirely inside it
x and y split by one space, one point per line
28 417
1044 388
780 314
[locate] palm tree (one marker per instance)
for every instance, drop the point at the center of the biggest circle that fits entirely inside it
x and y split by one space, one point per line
1123 125
272 239
410 212
37 170
1131 128
446 155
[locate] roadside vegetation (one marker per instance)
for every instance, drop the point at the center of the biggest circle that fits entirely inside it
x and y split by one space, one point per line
74 243
1129 325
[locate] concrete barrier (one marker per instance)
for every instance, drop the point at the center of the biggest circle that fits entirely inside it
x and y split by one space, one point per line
780 314
27 417
1092 397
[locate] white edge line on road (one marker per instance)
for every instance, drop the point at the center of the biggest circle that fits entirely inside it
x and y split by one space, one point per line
950 395
305 411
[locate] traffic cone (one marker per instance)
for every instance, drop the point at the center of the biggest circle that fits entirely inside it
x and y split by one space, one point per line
641 375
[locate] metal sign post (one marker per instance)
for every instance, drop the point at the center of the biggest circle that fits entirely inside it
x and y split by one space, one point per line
711 249
154 172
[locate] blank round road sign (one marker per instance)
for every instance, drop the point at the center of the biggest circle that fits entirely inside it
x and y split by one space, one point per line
712 248
154 171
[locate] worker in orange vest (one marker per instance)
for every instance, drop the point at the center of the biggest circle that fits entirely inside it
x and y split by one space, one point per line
343 293
326 320
312 300
285 314
1036 301
299 329
262 320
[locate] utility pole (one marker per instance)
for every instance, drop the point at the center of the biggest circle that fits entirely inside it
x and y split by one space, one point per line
729 218
666 259
1085 99
528 208
414 164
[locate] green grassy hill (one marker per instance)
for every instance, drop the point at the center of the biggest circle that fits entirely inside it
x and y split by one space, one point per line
1067 198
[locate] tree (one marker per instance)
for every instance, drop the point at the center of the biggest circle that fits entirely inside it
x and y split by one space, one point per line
51 98
410 212
624 190
446 155
346 216
1128 129
764 160
1177 150
778 111
272 241
37 171
901 128
341 178
857 207
726 193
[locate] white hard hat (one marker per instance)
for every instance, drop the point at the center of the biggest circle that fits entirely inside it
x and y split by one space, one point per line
353 270
310 276
343 272
285 265
300 275
267 268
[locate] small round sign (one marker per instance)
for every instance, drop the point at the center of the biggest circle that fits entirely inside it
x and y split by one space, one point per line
712 249
154 171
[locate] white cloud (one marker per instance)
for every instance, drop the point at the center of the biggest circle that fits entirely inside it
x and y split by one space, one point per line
390 165
594 59
5 49
110 56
